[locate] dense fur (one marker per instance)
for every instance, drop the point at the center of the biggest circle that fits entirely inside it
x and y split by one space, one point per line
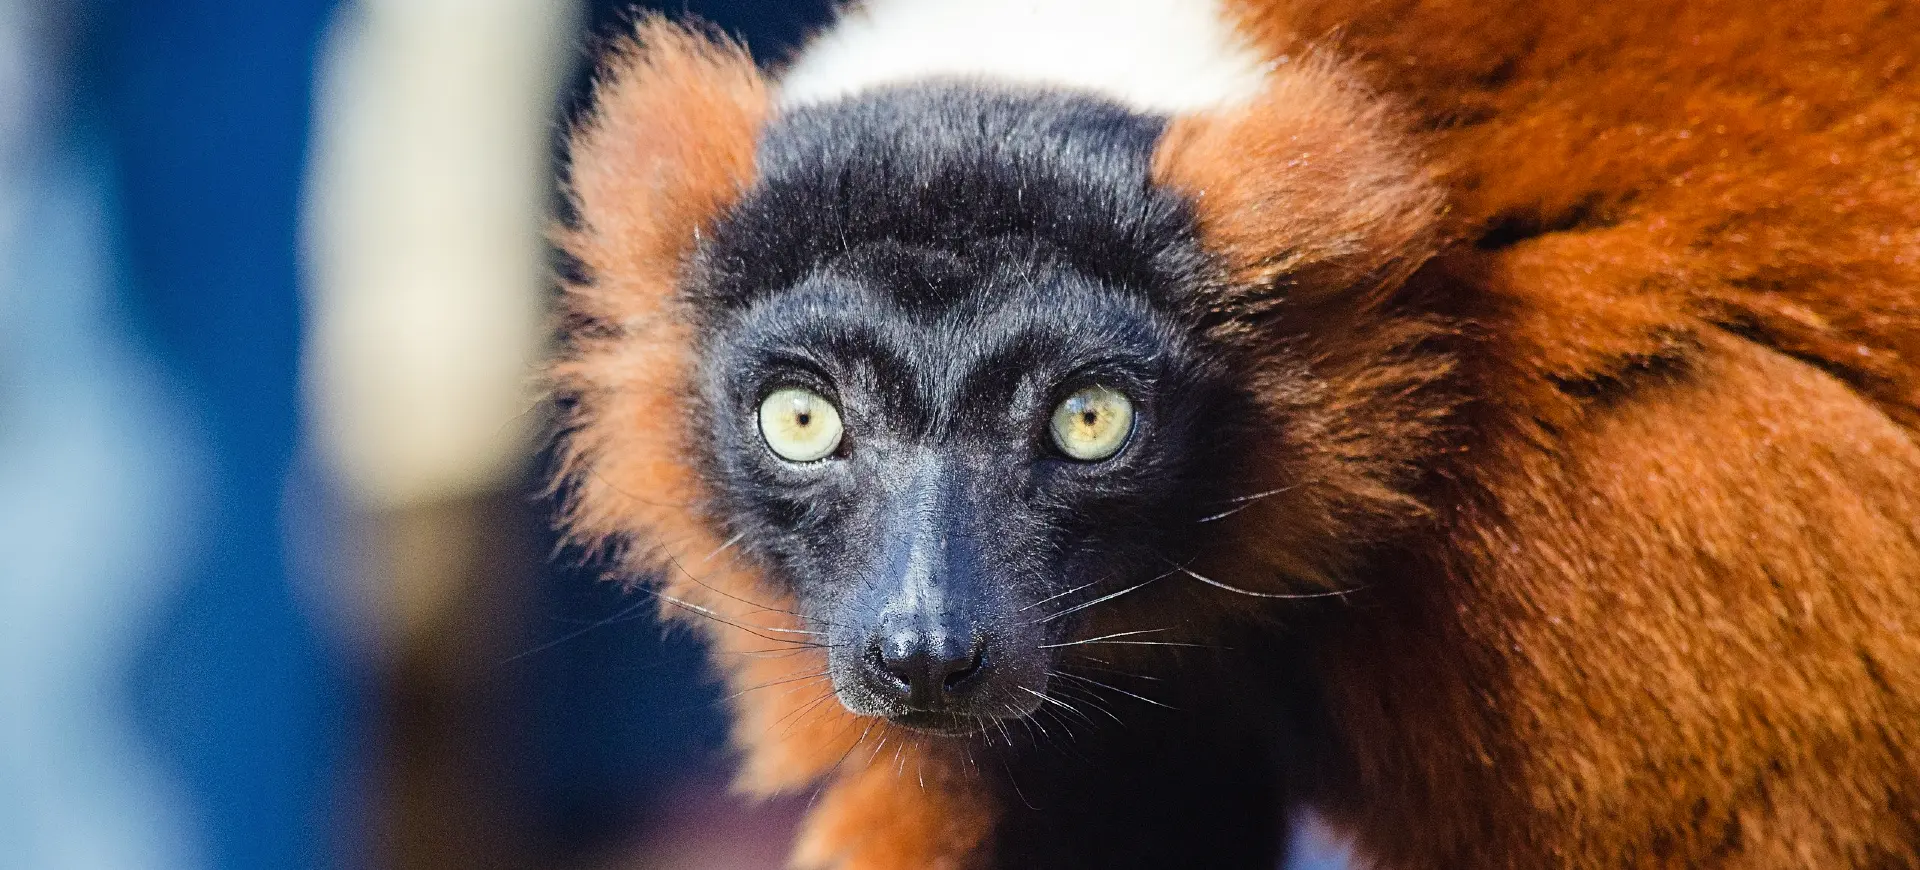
1582 344
1665 617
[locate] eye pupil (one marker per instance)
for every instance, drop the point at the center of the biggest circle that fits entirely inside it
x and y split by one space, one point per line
1093 424
799 425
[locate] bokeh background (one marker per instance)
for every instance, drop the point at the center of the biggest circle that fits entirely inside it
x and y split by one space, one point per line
278 584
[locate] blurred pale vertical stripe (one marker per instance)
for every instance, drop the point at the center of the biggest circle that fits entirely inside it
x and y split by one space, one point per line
98 491
428 185
428 189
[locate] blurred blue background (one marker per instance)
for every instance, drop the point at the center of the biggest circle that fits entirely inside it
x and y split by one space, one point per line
278 587
240 629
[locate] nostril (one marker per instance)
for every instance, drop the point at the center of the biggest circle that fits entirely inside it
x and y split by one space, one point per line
968 668
926 670
891 668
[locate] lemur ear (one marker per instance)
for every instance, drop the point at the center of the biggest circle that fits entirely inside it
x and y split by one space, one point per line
667 148
1311 186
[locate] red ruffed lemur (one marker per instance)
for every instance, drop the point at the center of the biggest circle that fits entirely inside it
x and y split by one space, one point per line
1089 430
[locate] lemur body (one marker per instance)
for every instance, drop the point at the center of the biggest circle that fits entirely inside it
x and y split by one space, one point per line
1493 425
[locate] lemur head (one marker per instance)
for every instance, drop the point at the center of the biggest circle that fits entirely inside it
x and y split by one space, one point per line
948 381
966 372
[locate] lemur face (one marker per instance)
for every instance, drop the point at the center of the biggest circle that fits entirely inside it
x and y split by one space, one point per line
936 479
951 401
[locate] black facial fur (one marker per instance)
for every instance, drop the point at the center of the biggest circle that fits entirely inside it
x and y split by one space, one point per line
946 264
946 167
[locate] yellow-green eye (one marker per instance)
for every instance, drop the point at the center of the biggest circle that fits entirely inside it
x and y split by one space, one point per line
800 425
1092 424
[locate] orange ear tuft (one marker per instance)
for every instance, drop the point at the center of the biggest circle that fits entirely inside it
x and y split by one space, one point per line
668 146
1310 184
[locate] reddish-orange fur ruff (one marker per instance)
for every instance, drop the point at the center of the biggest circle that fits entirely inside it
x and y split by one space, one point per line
1614 316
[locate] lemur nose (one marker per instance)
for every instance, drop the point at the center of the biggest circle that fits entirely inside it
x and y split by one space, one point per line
927 670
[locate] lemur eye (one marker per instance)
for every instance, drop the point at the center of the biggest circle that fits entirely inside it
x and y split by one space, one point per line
800 425
1092 424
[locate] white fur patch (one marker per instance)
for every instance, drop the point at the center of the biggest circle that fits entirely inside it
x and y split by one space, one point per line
1165 56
